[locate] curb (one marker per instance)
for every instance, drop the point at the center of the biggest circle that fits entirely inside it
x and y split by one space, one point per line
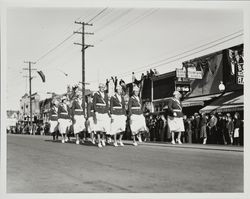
194 146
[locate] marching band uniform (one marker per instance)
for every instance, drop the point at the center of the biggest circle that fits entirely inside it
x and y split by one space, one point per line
118 114
79 119
64 119
175 121
175 116
53 117
100 107
90 117
137 119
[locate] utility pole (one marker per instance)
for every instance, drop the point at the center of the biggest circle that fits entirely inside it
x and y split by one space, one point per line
30 78
84 47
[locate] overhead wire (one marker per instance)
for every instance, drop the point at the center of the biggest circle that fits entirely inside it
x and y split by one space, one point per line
69 36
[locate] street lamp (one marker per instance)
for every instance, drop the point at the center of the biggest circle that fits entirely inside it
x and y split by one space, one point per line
222 87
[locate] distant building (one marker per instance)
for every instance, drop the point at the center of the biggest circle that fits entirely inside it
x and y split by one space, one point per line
25 107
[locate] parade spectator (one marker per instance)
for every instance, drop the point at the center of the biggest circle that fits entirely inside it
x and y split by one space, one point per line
152 127
203 124
184 137
212 125
151 73
196 123
156 72
224 130
220 130
230 129
237 126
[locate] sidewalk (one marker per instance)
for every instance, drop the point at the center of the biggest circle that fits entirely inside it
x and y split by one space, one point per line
192 146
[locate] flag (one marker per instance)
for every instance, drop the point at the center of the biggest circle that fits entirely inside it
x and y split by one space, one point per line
41 75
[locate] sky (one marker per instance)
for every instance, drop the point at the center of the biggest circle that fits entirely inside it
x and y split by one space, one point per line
125 40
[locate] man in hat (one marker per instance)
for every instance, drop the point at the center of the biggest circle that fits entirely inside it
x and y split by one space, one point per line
175 117
53 117
101 110
212 125
118 115
78 116
135 113
64 119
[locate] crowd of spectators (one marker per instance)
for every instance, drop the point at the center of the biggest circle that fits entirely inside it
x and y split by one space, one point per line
219 128
25 128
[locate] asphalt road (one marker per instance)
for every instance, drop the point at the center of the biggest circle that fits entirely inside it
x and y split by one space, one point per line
37 165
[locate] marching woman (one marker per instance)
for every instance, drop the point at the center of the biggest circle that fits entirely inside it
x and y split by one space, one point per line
175 117
64 119
137 119
91 119
118 115
53 117
78 116
101 110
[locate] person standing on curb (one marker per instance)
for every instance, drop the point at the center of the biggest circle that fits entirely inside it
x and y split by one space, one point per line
203 134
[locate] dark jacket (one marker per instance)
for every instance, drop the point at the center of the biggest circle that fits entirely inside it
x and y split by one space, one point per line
63 113
174 106
100 104
76 108
117 107
53 116
90 110
134 106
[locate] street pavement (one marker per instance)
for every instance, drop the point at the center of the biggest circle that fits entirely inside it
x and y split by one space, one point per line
35 164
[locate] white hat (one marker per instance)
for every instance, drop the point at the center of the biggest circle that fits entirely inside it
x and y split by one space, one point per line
136 88
101 85
118 87
176 93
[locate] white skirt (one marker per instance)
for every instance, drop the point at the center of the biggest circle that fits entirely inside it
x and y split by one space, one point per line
53 126
102 122
90 125
118 124
64 125
176 124
137 124
79 123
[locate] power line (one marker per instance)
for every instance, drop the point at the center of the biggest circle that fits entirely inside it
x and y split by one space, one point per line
198 47
127 25
164 63
68 37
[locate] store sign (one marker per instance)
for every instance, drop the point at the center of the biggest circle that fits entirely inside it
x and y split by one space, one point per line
240 74
180 73
191 74
195 74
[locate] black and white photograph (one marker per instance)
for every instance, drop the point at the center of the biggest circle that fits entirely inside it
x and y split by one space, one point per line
144 97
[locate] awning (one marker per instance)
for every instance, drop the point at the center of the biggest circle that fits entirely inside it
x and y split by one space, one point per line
228 102
198 101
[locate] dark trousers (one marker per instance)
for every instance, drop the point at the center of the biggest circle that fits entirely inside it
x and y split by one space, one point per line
196 135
